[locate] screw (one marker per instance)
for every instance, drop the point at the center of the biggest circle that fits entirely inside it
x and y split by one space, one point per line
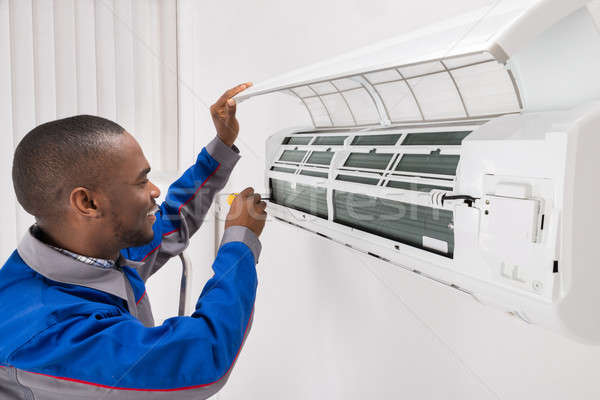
537 285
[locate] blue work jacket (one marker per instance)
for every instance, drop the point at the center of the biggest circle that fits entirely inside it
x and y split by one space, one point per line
70 331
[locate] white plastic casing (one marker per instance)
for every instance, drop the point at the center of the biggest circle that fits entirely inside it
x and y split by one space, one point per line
528 243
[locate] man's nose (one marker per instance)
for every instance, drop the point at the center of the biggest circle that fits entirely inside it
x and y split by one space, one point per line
155 191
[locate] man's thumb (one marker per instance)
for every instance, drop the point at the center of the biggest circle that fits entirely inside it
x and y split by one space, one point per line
230 108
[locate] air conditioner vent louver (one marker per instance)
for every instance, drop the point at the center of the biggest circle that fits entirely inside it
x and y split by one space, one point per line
280 169
435 138
297 140
317 174
376 140
429 164
368 160
320 157
292 155
357 179
330 140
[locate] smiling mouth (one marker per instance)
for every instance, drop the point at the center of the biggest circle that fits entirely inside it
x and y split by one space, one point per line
152 211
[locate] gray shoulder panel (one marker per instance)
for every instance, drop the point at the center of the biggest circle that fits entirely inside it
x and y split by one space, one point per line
244 235
61 268
10 388
226 156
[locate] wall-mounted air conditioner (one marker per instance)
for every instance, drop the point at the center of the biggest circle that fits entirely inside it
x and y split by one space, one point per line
467 152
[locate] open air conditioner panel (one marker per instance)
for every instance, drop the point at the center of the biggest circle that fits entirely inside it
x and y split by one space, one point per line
446 89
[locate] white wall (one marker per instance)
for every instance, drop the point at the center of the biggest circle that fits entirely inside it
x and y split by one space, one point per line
330 322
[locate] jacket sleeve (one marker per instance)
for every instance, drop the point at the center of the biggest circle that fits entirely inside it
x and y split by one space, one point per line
184 209
111 349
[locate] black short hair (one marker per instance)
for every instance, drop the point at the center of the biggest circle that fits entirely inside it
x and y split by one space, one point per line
58 156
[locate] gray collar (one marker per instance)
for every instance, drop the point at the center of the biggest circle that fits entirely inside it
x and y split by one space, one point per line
62 268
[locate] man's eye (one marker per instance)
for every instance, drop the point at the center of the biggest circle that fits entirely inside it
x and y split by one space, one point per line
144 182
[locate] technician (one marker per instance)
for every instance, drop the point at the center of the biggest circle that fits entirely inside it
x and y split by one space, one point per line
75 320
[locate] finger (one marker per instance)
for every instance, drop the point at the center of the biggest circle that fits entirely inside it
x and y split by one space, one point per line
232 92
230 108
257 212
238 89
261 205
248 192
256 198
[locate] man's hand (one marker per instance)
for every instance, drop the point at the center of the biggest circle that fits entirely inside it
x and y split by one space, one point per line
223 114
247 210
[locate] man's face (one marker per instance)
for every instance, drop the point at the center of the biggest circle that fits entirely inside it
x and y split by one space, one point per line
131 195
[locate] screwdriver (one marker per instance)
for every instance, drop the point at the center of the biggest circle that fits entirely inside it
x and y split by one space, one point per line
232 196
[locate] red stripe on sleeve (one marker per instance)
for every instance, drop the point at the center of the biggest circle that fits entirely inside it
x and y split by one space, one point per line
153 390
197 190
141 297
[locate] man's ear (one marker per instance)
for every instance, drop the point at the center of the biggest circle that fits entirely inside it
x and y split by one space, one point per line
85 203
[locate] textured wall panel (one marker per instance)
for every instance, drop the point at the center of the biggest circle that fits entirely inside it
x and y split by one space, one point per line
23 83
116 59
8 233
44 64
124 67
85 50
66 61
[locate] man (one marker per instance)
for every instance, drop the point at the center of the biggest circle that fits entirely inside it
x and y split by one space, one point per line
75 320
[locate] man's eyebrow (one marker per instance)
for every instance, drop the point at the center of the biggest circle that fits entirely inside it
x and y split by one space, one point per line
143 173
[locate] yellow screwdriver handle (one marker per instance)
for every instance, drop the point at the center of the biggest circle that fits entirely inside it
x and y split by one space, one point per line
231 197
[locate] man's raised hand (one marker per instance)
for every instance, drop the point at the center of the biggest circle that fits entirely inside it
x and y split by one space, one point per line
223 114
